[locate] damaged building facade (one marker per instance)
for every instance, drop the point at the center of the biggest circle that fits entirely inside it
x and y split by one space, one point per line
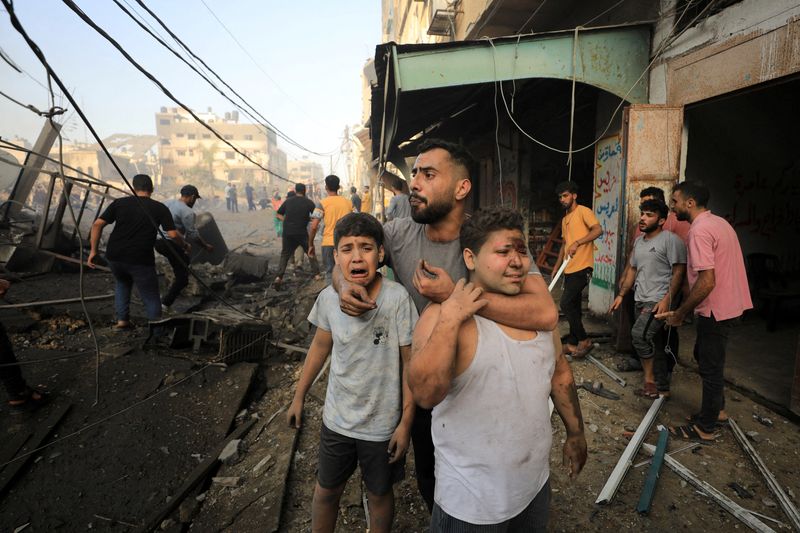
642 94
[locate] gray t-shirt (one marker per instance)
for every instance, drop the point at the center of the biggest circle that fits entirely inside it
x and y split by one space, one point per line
398 207
653 260
405 243
364 397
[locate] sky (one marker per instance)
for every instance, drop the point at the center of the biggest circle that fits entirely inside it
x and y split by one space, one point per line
313 53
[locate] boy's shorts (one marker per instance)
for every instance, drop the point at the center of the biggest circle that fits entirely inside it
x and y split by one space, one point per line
339 455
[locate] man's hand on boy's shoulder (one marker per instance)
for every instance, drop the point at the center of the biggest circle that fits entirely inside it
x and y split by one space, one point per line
294 415
399 443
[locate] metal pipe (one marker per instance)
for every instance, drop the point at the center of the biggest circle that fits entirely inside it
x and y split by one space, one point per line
625 460
53 302
606 370
45 211
726 503
558 274
783 499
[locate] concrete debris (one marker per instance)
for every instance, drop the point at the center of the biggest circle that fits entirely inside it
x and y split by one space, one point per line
231 453
768 502
593 428
246 268
740 491
229 481
753 436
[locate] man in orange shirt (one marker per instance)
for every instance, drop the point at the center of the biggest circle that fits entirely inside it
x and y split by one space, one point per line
330 209
579 228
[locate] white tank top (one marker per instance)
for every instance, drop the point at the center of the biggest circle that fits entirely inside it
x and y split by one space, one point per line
492 432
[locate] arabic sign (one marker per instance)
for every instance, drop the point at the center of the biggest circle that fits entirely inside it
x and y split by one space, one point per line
606 202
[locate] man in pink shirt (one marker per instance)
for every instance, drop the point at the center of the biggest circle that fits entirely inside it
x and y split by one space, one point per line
718 295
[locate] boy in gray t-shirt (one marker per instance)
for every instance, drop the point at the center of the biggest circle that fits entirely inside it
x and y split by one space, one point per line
368 407
657 269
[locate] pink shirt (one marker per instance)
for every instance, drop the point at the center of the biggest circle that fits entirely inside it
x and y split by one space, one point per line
713 244
678 227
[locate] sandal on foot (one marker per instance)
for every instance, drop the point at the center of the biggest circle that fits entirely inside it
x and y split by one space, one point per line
689 432
123 327
649 391
28 401
695 418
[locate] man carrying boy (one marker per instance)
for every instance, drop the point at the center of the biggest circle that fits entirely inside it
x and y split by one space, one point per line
488 385
656 269
368 407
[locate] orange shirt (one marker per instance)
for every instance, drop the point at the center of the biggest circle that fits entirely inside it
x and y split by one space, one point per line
574 226
333 208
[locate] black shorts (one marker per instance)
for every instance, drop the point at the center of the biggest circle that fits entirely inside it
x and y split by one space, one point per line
339 455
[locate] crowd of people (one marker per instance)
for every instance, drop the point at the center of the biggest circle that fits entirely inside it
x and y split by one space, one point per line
456 354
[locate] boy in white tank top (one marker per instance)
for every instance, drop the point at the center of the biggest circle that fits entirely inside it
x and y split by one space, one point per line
488 386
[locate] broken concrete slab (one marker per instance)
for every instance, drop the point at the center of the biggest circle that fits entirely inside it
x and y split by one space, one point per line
231 452
247 268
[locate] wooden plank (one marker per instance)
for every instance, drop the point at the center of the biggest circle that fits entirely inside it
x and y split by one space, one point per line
42 432
646 499
195 477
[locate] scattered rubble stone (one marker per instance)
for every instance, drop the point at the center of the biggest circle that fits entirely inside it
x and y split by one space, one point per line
227 481
231 453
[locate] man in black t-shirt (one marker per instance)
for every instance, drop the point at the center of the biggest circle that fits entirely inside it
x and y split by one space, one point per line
130 248
296 214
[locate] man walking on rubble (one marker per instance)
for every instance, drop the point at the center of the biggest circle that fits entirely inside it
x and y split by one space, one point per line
656 269
483 379
184 218
130 248
718 295
329 210
295 213
579 229
425 255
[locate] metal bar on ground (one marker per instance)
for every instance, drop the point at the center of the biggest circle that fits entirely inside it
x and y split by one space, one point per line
53 302
607 371
291 348
649 489
69 259
783 499
558 274
673 452
625 460
726 503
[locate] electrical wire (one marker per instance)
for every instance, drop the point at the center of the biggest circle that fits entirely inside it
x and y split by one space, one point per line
40 55
194 68
272 126
259 67
88 20
613 7
656 56
53 110
535 11
66 191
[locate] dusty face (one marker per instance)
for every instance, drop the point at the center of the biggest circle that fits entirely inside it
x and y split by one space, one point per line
680 205
358 257
567 199
434 182
650 221
502 263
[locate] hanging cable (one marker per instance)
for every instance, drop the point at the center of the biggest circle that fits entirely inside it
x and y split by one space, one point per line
40 55
572 103
277 130
207 80
54 111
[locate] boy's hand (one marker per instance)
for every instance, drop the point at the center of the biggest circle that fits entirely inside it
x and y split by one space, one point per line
432 282
463 302
398 444
294 415
354 299
615 304
575 454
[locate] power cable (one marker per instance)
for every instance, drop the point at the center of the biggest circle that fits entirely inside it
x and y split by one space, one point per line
535 11
613 7
258 66
77 10
40 55
656 56
272 126
194 68
52 112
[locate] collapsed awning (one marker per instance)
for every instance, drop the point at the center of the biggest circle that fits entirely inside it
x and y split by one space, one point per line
422 84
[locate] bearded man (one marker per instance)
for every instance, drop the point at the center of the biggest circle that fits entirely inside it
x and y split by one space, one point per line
425 253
